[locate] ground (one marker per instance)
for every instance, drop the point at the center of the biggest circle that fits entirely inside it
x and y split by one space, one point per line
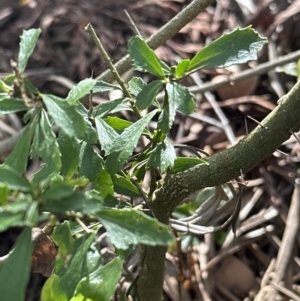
237 268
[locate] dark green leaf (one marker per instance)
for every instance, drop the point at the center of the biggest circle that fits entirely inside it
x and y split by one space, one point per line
136 84
91 163
130 227
10 104
102 86
80 90
18 158
162 156
108 107
124 145
44 143
144 58
69 149
65 116
181 68
237 47
43 176
179 98
148 94
183 163
166 69
125 186
27 44
13 179
15 271
101 284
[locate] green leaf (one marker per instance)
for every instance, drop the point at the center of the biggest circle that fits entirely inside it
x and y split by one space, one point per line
179 98
181 68
61 285
143 57
44 143
237 47
13 179
18 158
65 116
80 90
104 184
69 149
32 214
124 186
183 163
106 134
10 104
63 238
13 213
43 176
124 145
91 163
135 85
15 271
117 123
61 197
108 107
162 156
102 86
28 41
4 87
148 94
101 284
4 192
130 227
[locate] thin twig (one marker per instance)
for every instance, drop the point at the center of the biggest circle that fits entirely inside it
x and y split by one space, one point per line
133 24
89 28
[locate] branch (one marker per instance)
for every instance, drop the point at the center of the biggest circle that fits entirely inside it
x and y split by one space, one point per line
162 35
227 165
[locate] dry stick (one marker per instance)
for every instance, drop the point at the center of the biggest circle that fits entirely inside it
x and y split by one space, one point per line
288 240
162 35
211 99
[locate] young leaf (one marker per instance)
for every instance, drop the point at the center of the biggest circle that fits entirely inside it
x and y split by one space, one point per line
108 107
237 47
69 149
4 87
135 85
146 97
63 238
101 284
162 156
130 227
124 145
13 179
80 90
15 271
18 158
91 163
117 123
182 163
44 143
181 68
106 134
124 186
10 105
65 116
104 184
144 58
27 44
102 86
